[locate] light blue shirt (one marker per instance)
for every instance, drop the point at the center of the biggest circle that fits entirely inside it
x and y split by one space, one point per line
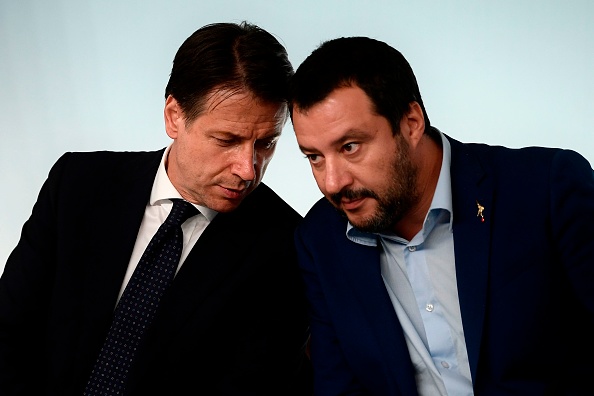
420 277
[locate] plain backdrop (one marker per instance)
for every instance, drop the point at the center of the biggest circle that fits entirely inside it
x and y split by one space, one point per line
81 75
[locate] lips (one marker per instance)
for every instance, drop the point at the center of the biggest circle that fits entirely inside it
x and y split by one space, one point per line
233 193
351 204
350 200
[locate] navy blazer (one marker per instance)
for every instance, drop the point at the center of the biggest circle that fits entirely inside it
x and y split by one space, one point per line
233 322
525 282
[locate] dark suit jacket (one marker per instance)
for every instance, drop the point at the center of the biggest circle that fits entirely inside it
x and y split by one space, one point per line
525 282
233 322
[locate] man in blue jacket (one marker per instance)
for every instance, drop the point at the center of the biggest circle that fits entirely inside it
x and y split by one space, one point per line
435 267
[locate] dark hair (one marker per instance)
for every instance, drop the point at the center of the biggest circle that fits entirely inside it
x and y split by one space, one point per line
378 69
228 56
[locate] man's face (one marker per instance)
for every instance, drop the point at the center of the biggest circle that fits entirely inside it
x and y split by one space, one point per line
360 166
217 159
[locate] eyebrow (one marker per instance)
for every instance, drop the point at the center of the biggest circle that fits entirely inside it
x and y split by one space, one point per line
351 134
274 135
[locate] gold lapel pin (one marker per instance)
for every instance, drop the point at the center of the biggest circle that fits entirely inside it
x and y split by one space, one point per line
480 211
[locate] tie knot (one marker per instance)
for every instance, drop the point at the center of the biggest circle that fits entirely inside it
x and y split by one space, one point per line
181 211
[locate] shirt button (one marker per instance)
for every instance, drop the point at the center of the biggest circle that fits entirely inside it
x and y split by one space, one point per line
412 248
445 365
429 307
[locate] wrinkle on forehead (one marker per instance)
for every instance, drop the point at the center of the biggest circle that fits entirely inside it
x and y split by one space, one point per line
219 96
248 99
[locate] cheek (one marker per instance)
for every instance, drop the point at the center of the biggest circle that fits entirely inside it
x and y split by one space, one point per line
319 177
202 164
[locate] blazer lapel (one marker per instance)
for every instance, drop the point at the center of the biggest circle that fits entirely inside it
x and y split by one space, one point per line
471 187
361 266
217 254
112 241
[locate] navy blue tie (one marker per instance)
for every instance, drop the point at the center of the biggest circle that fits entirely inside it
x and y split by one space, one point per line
139 302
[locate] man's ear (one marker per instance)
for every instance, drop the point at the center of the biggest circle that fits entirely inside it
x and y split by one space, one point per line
412 125
173 115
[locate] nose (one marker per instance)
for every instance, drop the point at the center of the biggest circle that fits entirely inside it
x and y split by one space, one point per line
245 164
336 176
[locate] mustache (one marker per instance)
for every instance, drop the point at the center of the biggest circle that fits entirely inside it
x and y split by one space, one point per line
352 195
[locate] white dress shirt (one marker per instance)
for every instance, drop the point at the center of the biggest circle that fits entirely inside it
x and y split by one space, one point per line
157 210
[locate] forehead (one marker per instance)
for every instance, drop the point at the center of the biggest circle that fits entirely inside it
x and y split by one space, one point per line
339 103
344 110
227 99
241 110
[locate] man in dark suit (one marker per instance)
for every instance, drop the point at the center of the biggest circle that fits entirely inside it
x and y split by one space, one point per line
233 321
434 267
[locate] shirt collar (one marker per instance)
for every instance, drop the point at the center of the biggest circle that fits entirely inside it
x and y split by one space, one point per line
163 189
442 199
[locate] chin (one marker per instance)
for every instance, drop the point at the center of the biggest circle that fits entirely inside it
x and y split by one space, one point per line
228 207
359 221
360 224
373 223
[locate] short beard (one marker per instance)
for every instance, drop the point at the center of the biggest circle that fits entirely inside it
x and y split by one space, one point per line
392 204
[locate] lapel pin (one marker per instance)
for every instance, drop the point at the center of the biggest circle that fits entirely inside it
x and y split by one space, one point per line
480 211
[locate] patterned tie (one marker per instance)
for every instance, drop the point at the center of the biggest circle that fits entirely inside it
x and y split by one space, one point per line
139 302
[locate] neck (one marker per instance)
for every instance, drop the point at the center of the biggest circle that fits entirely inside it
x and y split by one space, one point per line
428 158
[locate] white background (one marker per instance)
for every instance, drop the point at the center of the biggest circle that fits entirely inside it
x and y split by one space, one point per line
82 75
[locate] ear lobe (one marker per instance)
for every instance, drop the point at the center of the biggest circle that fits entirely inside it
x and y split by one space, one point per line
173 116
414 122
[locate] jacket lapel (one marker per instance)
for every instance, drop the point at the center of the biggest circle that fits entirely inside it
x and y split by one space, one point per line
112 240
471 187
218 253
361 266
223 250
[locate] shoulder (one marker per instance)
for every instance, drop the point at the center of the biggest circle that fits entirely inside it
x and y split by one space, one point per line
516 162
264 205
107 159
486 152
322 220
91 173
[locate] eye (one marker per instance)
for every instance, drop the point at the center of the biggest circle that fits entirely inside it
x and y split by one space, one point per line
267 144
313 158
224 142
350 147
